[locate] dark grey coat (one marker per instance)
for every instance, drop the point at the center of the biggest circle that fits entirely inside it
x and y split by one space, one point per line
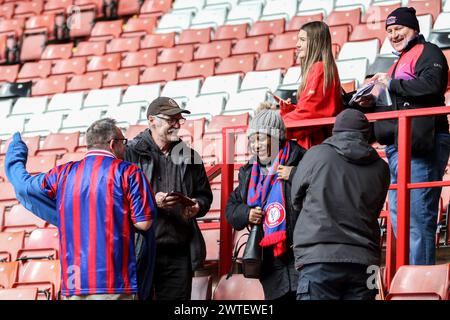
339 187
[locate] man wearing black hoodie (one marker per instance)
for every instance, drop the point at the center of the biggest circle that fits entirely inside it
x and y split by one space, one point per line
339 187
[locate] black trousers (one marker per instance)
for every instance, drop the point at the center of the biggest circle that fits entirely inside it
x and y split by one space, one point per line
334 281
172 278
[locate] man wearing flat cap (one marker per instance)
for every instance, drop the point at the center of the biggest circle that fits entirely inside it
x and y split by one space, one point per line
417 80
172 166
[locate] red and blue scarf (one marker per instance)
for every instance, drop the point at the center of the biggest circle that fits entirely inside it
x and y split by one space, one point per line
266 191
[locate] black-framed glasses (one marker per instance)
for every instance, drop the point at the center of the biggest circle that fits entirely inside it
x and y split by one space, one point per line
173 121
124 140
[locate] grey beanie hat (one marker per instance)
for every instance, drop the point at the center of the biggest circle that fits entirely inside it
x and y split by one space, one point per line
268 122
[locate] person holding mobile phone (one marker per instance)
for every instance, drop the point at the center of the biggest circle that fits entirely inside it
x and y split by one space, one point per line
182 194
319 94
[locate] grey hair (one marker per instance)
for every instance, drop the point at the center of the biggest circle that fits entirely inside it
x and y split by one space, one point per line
100 133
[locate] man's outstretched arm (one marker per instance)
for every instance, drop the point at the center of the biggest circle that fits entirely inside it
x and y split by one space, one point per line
28 188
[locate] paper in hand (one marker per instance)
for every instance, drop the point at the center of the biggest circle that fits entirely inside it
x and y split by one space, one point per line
364 90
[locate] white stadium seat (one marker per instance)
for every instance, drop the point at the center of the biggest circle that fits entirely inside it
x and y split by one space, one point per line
66 101
10 125
315 6
80 120
425 23
103 98
5 108
279 9
125 115
245 101
175 21
348 4
442 22
360 49
248 11
386 48
33 105
227 84
43 124
261 79
291 79
224 3
188 4
141 94
206 106
353 69
181 90
210 17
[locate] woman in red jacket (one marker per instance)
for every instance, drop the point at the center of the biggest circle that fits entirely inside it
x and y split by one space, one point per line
319 93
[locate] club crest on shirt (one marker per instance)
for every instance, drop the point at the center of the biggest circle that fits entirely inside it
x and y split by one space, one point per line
275 214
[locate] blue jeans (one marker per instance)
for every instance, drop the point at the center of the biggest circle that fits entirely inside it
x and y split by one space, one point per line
424 202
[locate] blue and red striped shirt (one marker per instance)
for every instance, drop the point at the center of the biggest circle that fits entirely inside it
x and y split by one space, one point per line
99 199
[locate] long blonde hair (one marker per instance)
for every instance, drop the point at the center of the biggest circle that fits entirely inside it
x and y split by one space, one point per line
318 49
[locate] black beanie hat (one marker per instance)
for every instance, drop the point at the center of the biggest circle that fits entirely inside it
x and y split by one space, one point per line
352 120
405 17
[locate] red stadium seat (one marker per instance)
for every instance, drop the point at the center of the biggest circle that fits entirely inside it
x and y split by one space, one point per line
8 274
106 30
160 40
126 77
7 10
238 288
22 219
339 35
159 73
215 49
241 64
59 143
9 73
31 142
284 41
96 5
50 86
106 62
128 7
57 5
296 22
156 7
19 294
33 44
267 27
351 17
192 130
90 48
420 282
139 26
134 130
123 45
367 32
276 60
349 86
34 70
256 45
70 156
38 164
181 53
10 244
142 58
43 243
379 13
28 9
45 21
433 7
45 275
195 69
201 288
191 36
212 237
3 46
2 179
231 32
12 26
82 20
57 51
70 66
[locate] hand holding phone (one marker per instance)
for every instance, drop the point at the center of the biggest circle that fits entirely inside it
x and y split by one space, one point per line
184 200
275 97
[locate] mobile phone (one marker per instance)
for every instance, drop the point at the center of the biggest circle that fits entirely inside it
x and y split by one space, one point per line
276 98
183 199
